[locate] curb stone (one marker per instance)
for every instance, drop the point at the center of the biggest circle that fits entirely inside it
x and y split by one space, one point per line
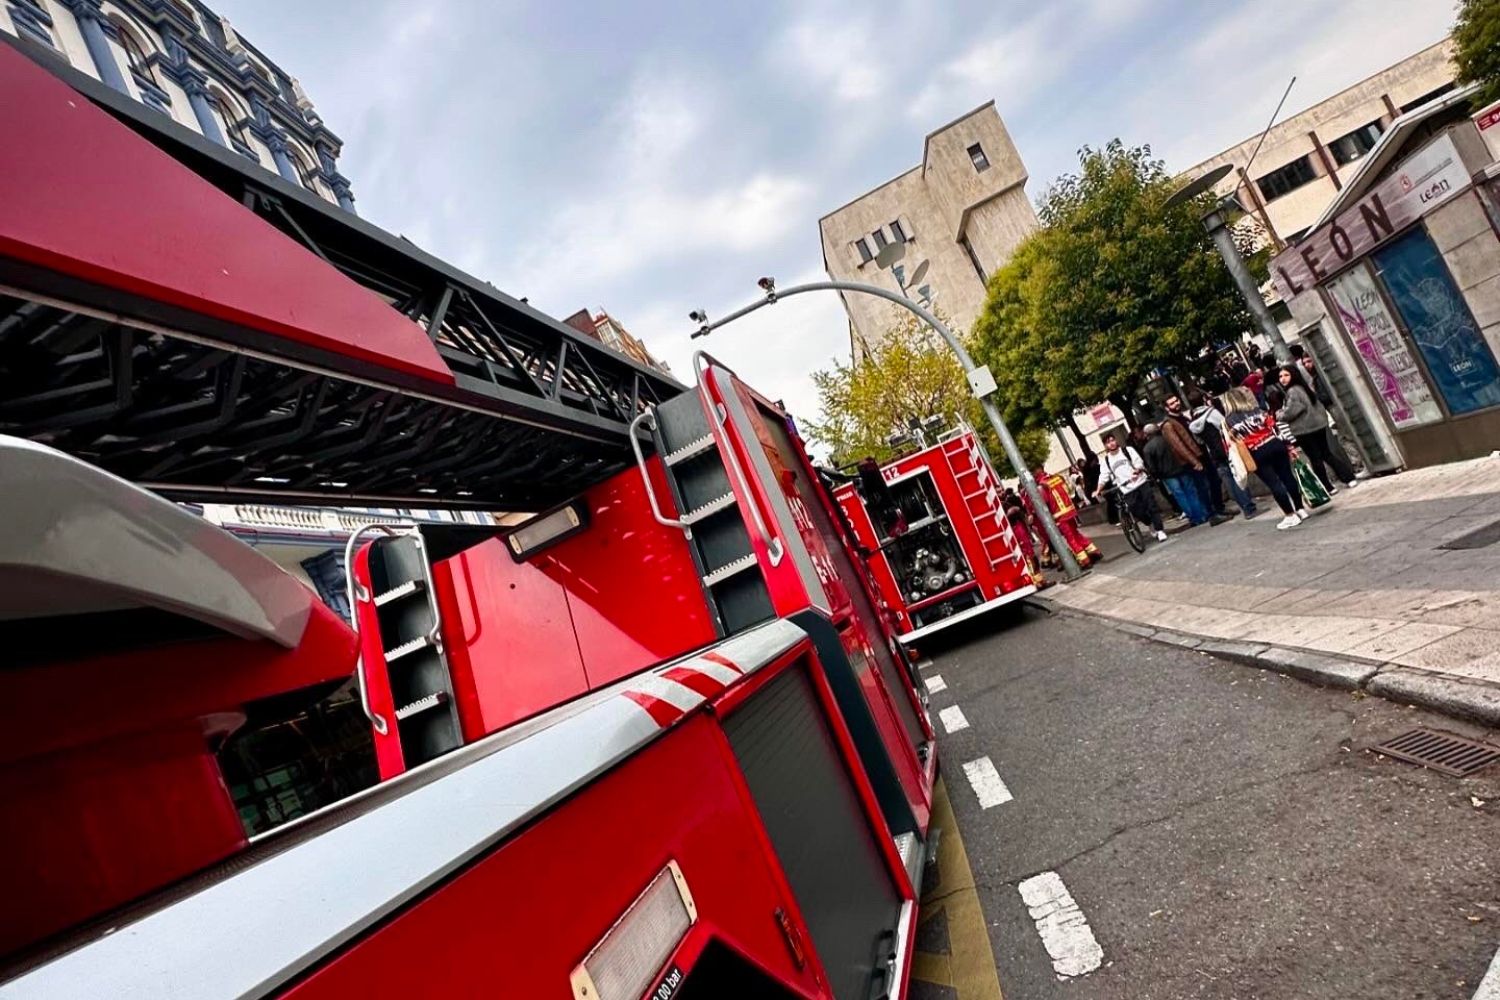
1474 701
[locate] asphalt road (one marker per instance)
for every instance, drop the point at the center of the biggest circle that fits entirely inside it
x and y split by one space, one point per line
1223 830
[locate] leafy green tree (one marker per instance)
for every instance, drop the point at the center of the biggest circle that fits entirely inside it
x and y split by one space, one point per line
1112 286
1476 37
909 375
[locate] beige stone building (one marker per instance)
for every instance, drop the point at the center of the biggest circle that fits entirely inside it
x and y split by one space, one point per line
1308 158
963 209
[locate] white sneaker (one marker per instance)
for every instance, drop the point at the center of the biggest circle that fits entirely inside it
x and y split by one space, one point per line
1290 521
1333 491
1161 536
1303 513
1351 484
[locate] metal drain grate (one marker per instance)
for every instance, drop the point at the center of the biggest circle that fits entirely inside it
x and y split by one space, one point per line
1440 751
1478 539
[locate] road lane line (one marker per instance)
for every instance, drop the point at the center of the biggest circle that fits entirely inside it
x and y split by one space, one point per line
1064 931
935 683
953 719
923 664
988 787
1489 986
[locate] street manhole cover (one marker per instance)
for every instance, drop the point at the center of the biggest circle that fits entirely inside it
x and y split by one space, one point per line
1440 751
1477 539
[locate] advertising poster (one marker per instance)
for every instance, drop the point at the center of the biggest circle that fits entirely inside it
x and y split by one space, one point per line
1382 349
1429 301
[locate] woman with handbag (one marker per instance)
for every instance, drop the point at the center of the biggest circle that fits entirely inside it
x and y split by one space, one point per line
1307 417
1255 430
1312 487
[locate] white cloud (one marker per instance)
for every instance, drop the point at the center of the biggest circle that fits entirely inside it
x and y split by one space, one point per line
837 55
655 204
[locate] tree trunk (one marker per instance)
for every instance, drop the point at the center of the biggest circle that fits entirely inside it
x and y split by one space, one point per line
1083 442
1123 404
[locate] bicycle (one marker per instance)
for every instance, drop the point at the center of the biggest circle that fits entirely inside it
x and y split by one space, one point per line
1129 526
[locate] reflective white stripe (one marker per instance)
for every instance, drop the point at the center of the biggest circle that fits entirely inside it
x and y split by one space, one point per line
669 691
717 671
936 684
1059 921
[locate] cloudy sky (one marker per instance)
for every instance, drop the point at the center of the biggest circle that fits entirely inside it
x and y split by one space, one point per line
658 156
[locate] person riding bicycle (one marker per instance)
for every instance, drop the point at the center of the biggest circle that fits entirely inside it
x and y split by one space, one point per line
1122 467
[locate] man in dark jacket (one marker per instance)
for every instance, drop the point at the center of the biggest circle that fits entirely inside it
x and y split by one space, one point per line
1197 458
1168 468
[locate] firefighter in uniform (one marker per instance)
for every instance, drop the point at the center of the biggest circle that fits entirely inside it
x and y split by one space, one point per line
1059 497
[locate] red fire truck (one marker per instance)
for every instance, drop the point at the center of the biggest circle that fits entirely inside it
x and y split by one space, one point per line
938 545
655 741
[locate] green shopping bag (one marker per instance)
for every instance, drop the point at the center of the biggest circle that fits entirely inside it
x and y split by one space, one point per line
1312 488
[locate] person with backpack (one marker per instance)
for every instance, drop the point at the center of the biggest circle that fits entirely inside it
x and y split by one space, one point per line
1122 468
1194 455
1208 424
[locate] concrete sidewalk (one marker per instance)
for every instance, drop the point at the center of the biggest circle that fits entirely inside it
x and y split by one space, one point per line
1363 595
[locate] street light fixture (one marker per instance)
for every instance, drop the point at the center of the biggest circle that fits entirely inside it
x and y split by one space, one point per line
981 382
1218 229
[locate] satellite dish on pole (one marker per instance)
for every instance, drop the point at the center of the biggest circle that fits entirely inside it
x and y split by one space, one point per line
919 273
889 254
1194 188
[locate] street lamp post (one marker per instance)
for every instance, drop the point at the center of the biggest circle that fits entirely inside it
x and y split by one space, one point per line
1219 232
981 383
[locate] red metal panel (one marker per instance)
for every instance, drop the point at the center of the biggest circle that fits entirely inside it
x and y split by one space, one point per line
517 922
389 757
107 768
632 586
509 638
87 197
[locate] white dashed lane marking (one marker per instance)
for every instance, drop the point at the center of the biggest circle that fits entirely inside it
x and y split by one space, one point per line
1059 921
953 719
988 787
935 683
1489 987
923 664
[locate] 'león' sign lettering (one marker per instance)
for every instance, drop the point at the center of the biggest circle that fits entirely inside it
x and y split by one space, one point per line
1426 180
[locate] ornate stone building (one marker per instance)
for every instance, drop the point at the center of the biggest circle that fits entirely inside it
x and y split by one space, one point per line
183 60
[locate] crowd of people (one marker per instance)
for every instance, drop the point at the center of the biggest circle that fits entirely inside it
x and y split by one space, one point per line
1253 417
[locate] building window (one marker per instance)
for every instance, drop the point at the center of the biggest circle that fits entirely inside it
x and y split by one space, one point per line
135 56
304 172
1348 148
1285 180
32 21
880 240
898 233
974 259
1428 97
232 124
865 256
977 157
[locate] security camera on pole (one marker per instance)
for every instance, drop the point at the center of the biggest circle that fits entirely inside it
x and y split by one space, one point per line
981 381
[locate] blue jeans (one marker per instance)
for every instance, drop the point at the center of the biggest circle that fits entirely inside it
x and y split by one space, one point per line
1185 491
1241 495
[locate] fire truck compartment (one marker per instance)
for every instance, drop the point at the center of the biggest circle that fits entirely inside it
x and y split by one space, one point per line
470 850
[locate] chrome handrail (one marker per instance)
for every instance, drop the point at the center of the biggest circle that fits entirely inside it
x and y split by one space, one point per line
640 463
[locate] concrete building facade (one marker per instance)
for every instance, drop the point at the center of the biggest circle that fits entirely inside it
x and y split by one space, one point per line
183 60
1309 157
963 210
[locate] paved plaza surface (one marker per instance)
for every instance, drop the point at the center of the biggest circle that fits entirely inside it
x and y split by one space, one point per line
1393 588
1143 821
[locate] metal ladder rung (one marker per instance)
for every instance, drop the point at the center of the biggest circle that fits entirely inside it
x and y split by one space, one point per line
724 572
422 704
709 509
407 648
396 593
690 449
